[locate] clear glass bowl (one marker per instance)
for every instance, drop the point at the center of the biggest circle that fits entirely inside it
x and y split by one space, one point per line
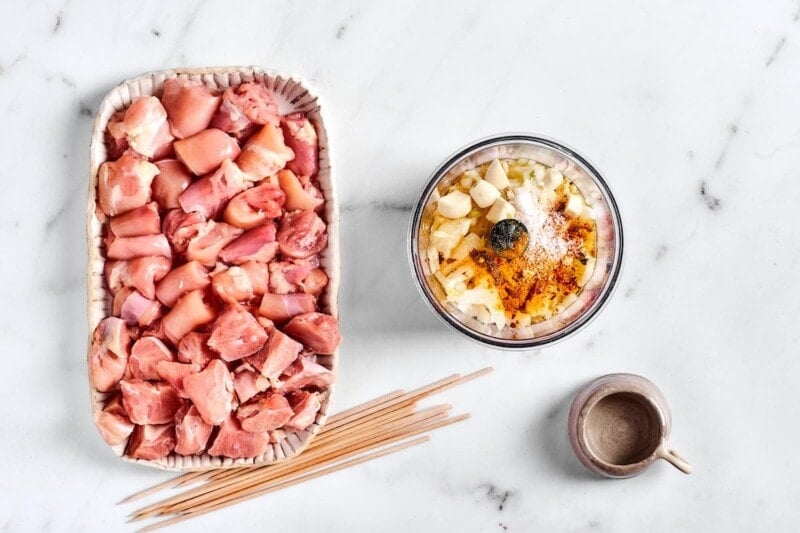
594 295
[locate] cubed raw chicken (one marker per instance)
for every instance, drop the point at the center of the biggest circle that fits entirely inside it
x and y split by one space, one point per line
140 246
282 307
301 137
305 406
173 373
265 153
315 282
173 178
318 331
190 312
141 273
209 194
240 283
190 106
287 276
109 353
146 353
191 431
113 422
211 391
180 227
276 356
140 221
151 442
149 402
116 141
193 349
302 195
146 127
135 309
236 334
265 412
302 234
212 237
188 277
256 205
257 244
248 382
232 441
205 151
243 107
305 372
124 184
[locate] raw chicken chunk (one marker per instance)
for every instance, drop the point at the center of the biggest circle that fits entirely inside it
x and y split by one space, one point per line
318 331
205 151
149 403
146 353
254 206
305 406
172 180
206 246
305 372
302 234
190 312
265 412
140 221
108 356
300 195
146 127
141 246
113 422
301 137
236 334
282 307
211 391
191 431
173 373
209 194
247 383
124 184
265 153
193 349
243 107
140 273
134 308
257 244
151 442
188 277
232 441
190 106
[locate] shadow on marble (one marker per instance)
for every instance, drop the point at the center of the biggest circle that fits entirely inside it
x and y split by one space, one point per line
549 435
378 295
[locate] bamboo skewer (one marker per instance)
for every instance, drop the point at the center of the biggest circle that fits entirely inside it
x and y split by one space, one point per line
301 479
364 432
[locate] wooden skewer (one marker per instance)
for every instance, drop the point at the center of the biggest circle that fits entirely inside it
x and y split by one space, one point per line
301 479
261 489
353 432
259 475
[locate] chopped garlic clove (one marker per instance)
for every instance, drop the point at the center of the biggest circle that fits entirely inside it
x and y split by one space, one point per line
574 206
467 244
496 175
455 205
552 179
539 173
433 259
501 210
484 193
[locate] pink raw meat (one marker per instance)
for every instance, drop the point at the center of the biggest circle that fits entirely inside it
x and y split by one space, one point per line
247 383
190 106
146 127
257 244
211 390
146 353
206 246
140 221
299 195
149 403
113 422
236 334
232 441
265 153
243 107
191 431
305 372
206 150
282 307
151 442
171 181
209 195
301 137
190 312
276 356
305 406
318 331
140 273
302 234
124 184
265 412
188 277
109 353
254 206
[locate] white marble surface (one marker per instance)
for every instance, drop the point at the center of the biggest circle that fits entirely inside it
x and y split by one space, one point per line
690 110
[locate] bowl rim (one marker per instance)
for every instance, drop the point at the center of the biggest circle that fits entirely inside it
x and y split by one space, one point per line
573 327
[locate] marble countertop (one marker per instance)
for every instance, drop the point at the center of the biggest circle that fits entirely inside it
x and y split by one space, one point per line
689 110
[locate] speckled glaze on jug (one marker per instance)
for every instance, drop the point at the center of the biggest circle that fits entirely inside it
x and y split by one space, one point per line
619 425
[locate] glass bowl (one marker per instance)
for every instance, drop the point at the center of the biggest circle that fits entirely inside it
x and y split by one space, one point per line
594 294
